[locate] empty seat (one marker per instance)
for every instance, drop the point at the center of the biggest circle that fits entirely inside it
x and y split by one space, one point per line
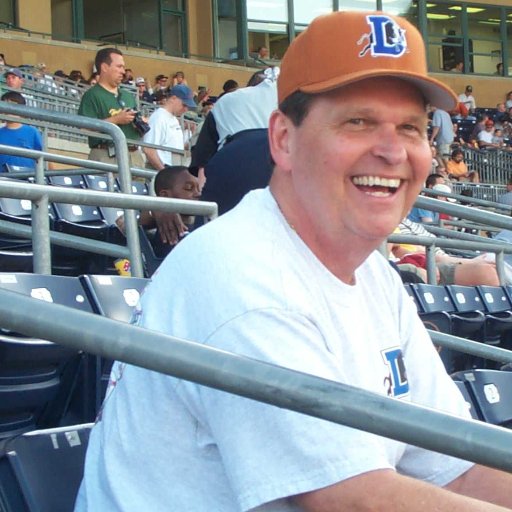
498 312
467 324
491 392
37 377
41 471
114 296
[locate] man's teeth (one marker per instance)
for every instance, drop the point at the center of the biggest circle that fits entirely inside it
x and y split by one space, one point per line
370 181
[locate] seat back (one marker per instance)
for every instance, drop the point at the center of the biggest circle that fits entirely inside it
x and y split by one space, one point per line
461 384
37 377
465 298
73 181
494 299
41 471
433 298
114 296
491 391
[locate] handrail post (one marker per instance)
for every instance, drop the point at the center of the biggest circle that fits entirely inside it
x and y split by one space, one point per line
41 248
130 217
500 267
431 264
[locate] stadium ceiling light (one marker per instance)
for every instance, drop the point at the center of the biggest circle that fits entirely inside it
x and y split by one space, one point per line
470 10
435 16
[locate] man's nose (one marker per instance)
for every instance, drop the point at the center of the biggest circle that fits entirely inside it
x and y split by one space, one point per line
389 145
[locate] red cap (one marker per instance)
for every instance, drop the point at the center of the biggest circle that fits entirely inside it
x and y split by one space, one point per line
345 47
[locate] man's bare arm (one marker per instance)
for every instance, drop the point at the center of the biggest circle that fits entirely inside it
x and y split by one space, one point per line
486 484
386 491
153 158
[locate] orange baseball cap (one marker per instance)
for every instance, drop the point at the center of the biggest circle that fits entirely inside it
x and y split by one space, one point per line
345 47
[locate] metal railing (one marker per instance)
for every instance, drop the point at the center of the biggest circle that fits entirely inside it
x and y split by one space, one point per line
493 165
41 194
265 382
463 242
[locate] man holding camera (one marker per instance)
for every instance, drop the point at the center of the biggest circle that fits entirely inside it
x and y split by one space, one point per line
108 102
165 126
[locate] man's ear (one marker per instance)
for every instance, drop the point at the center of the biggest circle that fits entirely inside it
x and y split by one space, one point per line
279 132
165 192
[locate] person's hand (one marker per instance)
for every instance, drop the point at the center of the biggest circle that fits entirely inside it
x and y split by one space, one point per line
170 226
124 117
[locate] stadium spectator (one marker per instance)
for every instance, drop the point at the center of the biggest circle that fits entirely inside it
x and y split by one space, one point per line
160 83
499 139
508 100
437 166
76 76
481 120
142 90
500 114
244 109
442 133
467 99
499 69
179 78
108 102
128 78
458 170
235 132
263 52
19 135
507 197
292 277
421 214
485 136
165 126
457 138
172 182
14 78
452 269
229 86
93 79
177 183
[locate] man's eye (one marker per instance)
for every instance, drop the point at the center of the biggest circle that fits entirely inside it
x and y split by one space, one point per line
358 121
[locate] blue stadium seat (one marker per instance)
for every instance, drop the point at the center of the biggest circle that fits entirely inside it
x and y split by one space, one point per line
461 384
491 392
41 471
468 324
113 297
37 377
498 312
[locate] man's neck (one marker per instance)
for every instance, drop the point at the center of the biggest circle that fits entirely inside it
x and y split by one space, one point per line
12 125
340 254
108 86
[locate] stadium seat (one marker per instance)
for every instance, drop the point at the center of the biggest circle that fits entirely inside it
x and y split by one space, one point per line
41 471
74 181
435 299
37 377
113 297
498 312
461 384
491 392
432 314
150 260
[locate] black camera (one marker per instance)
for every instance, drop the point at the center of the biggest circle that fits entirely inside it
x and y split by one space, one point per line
140 125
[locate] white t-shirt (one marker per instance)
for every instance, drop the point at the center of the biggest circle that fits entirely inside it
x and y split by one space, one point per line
245 109
468 100
247 283
165 131
485 136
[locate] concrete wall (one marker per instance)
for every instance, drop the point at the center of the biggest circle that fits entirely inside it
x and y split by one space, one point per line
30 50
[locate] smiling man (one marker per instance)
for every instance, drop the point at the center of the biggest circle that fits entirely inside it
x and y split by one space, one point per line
291 276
